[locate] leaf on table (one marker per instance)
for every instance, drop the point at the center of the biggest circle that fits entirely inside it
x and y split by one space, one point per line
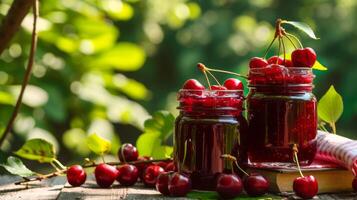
98 144
330 106
15 166
303 27
37 149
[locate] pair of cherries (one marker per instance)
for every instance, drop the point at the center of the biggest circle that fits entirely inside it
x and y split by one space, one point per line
229 84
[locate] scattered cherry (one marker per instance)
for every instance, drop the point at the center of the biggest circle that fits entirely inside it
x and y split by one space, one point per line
179 185
127 152
170 167
305 57
354 184
255 185
193 84
257 62
233 84
276 60
150 175
161 164
218 87
305 187
105 175
76 175
127 175
162 183
229 186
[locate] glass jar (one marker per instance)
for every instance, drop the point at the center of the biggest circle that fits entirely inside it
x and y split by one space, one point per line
210 124
282 111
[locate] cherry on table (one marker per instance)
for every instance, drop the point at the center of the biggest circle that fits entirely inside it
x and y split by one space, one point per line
127 175
257 62
305 187
105 175
233 84
150 175
127 152
162 183
170 167
229 186
193 84
305 57
354 184
179 185
162 164
76 175
255 184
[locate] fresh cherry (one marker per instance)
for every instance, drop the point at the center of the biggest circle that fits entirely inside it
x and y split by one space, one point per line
288 63
193 84
229 186
127 152
276 60
179 185
354 184
218 87
127 175
170 167
105 175
150 175
257 62
76 175
305 57
275 73
233 84
305 187
162 183
161 164
255 185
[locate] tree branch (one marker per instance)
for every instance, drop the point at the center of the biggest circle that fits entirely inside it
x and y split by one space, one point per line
12 21
27 73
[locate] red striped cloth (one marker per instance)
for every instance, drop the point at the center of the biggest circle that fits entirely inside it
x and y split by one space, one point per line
337 149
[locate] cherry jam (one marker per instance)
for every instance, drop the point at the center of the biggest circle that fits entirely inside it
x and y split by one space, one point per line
282 111
210 124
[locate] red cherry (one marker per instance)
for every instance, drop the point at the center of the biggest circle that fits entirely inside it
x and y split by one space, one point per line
229 186
150 175
288 63
218 87
127 175
161 164
76 176
170 167
105 175
255 185
305 187
233 84
354 184
276 60
276 73
305 57
257 62
179 185
142 166
193 84
162 183
127 152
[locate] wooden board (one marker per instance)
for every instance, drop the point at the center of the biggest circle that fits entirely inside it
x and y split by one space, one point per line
57 189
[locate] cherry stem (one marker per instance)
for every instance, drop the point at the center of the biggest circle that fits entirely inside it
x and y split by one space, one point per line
279 39
214 77
226 72
333 126
291 41
296 159
40 177
282 42
234 159
297 39
267 50
207 79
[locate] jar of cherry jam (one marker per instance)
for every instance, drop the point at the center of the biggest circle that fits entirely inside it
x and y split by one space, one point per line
282 111
210 124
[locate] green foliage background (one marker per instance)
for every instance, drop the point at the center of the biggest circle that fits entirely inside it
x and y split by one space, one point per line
103 66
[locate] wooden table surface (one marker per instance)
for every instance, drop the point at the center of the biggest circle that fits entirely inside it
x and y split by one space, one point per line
57 188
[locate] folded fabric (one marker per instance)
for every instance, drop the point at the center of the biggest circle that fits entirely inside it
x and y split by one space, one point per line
337 149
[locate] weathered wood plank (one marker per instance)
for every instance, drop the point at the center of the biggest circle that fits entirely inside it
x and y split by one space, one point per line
45 190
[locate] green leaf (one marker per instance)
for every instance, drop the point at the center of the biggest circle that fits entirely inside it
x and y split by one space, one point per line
330 106
98 144
161 122
147 142
317 65
37 149
303 27
15 166
213 195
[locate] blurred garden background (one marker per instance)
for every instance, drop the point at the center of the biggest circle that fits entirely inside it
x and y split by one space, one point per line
105 65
